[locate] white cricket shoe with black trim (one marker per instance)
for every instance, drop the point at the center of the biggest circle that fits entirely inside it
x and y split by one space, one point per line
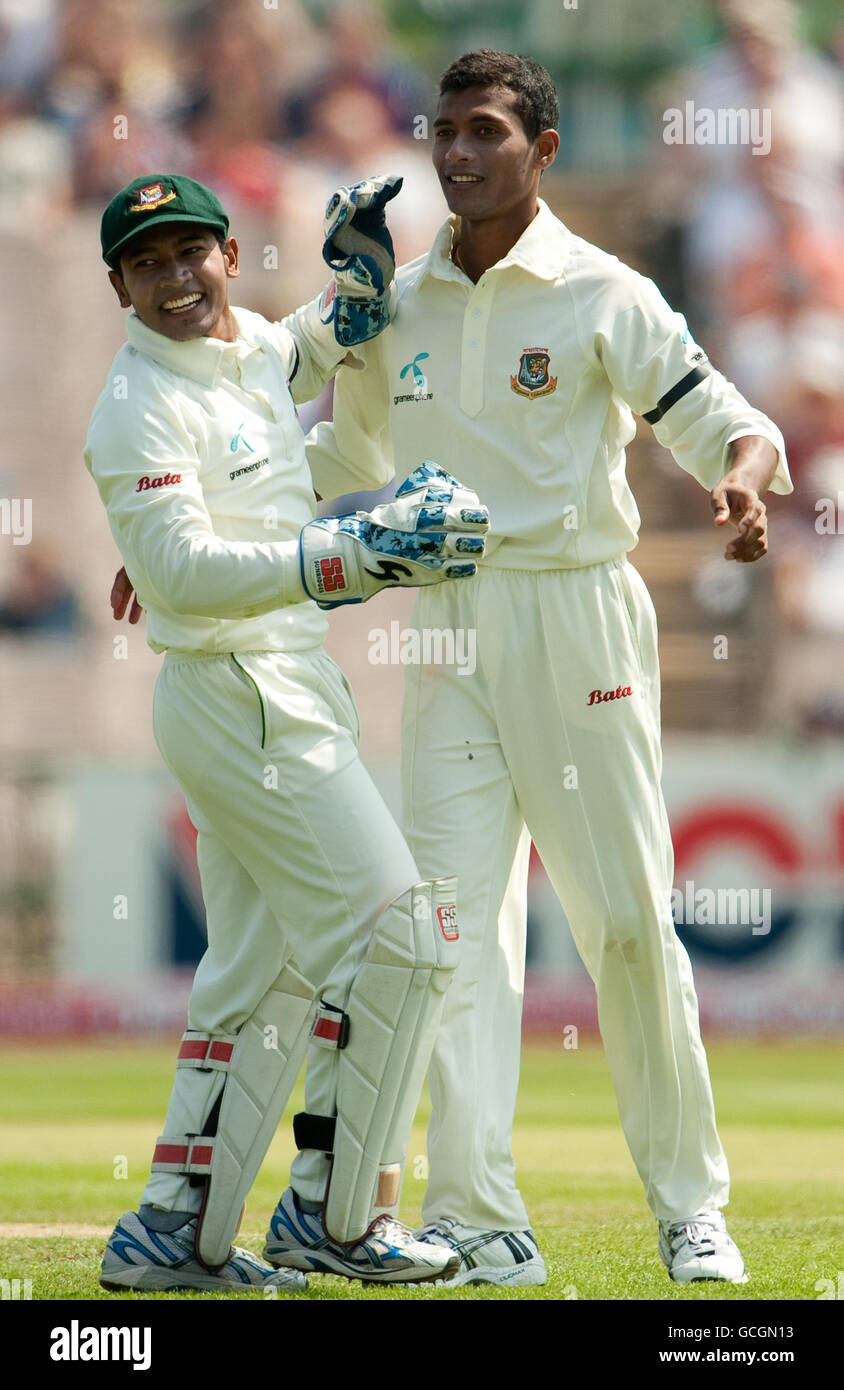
388 1254
700 1249
508 1258
138 1258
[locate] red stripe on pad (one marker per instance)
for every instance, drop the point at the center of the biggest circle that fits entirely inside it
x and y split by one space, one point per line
221 1052
170 1153
194 1047
327 1028
178 1153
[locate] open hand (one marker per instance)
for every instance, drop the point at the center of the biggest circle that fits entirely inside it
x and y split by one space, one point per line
742 505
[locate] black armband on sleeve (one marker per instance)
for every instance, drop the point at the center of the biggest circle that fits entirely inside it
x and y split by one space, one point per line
683 387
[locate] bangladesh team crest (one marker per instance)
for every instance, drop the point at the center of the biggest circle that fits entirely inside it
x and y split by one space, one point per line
152 197
533 378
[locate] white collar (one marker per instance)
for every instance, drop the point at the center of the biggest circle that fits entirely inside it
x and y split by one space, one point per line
541 249
202 359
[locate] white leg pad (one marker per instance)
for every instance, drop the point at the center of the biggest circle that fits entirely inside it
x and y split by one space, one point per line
261 1064
394 1009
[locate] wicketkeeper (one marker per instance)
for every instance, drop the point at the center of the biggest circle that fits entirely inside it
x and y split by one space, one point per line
321 937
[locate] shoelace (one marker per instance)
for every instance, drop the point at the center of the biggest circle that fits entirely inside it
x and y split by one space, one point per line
436 1228
386 1228
395 1232
695 1233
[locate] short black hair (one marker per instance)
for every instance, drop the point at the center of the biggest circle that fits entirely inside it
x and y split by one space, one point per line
535 102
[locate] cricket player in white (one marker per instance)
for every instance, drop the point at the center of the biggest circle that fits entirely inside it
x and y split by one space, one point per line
517 355
308 884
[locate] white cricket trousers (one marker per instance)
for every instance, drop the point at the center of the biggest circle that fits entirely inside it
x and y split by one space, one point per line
297 853
516 750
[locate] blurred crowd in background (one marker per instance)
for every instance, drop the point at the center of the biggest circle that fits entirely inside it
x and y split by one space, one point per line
276 103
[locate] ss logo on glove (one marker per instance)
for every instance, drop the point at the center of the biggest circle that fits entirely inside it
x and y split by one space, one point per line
331 574
433 530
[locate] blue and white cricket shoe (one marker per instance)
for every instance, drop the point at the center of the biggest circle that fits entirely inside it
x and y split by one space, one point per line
138 1258
700 1248
388 1254
507 1258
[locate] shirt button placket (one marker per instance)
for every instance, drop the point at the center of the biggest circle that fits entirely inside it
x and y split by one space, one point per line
473 348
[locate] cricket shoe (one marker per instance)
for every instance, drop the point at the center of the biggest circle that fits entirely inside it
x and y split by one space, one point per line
387 1254
508 1258
700 1249
138 1258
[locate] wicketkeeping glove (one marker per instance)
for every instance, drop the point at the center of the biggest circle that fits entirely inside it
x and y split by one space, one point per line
434 530
359 249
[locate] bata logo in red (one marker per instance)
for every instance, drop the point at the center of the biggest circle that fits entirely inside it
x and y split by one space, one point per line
330 576
597 698
144 484
447 918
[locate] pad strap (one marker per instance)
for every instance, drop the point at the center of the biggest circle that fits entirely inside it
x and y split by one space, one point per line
330 1028
183 1153
206 1051
314 1131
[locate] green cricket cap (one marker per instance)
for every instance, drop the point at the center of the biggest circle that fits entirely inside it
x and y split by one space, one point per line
157 198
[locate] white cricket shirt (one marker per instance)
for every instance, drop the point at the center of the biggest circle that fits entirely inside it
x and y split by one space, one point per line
200 460
524 387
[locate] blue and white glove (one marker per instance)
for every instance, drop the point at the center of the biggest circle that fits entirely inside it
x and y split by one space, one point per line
434 530
359 249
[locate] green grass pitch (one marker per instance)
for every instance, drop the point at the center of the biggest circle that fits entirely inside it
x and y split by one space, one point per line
80 1123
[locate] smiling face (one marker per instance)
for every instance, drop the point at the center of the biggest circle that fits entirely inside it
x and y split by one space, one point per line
486 164
175 276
